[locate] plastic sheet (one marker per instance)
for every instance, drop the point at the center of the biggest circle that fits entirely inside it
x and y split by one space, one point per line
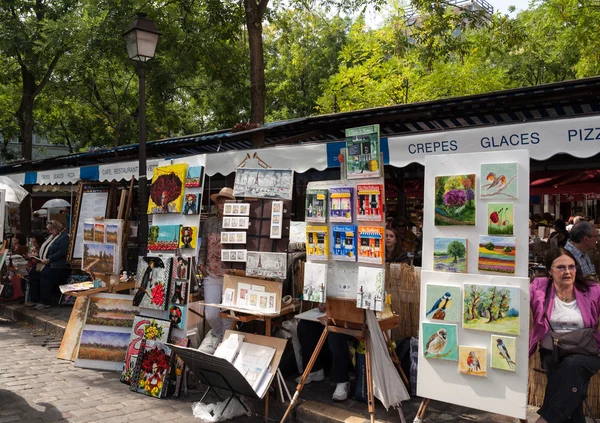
214 412
291 326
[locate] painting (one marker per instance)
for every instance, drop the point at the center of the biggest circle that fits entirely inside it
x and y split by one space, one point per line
154 367
143 328
317 242
500 219
188 237
266 265
316 205
233 255
70 340
472 361
455 200
498 181
166 190
190 206
88 231
111 310
315 282
163 237
369 203
178 316
234 222
343 240
491 308
370 291
503 350
102 349
178 367
99 232
371 244
233 237
153 282
362 152
272 184
450 255
112 233
440 341
181 268
101 258
497 254
340 204
442 302
179 292
193 177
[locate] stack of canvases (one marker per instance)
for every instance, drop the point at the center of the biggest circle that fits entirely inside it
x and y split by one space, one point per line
101 246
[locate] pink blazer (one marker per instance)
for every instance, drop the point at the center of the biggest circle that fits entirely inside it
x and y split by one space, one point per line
588 302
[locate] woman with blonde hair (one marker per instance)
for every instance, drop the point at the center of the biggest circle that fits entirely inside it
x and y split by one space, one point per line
53 255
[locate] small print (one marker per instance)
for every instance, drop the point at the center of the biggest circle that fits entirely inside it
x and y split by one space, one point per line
230 222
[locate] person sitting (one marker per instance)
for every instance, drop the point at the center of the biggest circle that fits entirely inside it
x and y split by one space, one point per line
563 302
393 247
19 245
576 220
560 233
309 333
583 239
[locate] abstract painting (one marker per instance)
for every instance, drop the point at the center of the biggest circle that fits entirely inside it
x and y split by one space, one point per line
316 205
188 237
70 340
102 349
181 268
455 200
153 275
266 265
440 341
498 180
500 219
178 316
143 328
101 258
112 233
272 184
166 191
504 353
111 310
190 206
450 255
163 237
443 303
497 254
370 291
315 282
88 231
193 177
472 361
491 308
362 152
99 232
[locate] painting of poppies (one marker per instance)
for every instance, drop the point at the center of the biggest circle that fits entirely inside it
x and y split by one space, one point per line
193 178
497 254
500 219
166 191
455 200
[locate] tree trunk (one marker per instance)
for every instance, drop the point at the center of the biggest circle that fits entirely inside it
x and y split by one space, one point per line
24 114
254 15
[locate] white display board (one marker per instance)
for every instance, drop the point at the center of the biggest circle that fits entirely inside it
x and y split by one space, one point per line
503 392
92 204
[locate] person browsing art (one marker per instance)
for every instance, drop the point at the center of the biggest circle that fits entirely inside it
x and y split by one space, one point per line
583 239
565 309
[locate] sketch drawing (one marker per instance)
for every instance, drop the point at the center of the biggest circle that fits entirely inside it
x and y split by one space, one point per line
443 303
491 308
315 282
472 361
370 291
450 255
264 183
439 341
498 180
455 200
266 265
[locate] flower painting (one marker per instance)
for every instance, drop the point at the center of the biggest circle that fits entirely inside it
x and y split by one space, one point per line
155 365
497 254
450 255
498 181
472 361
500 219
166 191
455 200
153 282
491 308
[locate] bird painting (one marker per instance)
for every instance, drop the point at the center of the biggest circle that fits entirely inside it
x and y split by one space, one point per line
440 306
503 352
497 182
473 362
436 343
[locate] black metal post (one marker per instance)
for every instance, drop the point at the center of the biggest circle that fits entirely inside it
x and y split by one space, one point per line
143 181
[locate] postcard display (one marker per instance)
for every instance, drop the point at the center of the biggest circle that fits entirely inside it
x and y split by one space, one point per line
345 232
474 310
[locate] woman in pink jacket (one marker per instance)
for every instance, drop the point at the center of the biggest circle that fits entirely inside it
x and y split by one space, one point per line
573 304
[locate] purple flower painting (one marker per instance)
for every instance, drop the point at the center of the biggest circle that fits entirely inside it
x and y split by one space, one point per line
455 200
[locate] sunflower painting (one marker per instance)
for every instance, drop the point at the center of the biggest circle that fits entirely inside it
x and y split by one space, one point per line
166 191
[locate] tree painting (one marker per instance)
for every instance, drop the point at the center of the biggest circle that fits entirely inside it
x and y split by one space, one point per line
491 308
455 200
450 255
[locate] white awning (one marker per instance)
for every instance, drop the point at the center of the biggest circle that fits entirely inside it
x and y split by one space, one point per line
58 176
125 170
18 178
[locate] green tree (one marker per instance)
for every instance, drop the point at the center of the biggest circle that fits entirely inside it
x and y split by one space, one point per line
457 250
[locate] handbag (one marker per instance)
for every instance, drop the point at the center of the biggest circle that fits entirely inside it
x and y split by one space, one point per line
580 341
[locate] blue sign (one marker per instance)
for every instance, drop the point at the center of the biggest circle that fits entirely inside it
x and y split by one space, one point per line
333 152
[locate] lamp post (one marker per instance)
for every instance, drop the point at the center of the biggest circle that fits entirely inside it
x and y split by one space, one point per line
141 39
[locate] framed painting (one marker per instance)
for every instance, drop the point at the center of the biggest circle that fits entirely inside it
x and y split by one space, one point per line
272 184
266 265
450 255
491 308
472 361
455 200
498 181
166 190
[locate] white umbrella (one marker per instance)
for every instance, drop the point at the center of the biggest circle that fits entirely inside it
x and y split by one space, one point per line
15 193
41 212
56 203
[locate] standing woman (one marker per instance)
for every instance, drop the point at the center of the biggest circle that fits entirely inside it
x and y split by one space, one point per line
54 259
35 270
560 304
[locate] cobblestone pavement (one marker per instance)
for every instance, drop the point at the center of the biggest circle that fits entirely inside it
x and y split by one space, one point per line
37 387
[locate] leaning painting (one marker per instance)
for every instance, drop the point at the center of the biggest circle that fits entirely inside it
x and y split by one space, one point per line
166 191
491 308
455 200
273 184
111 310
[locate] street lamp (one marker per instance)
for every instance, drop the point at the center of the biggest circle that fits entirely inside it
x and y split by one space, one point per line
141 38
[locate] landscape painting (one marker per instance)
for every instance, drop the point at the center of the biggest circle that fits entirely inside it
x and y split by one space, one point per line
99 232
440 341
102 349
491 308
88 231
498 180
500 219
504 353
193 178
99 258
443 303
112 233
497 254
472 361
450 255
455 200
164 237
70 340
111 310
